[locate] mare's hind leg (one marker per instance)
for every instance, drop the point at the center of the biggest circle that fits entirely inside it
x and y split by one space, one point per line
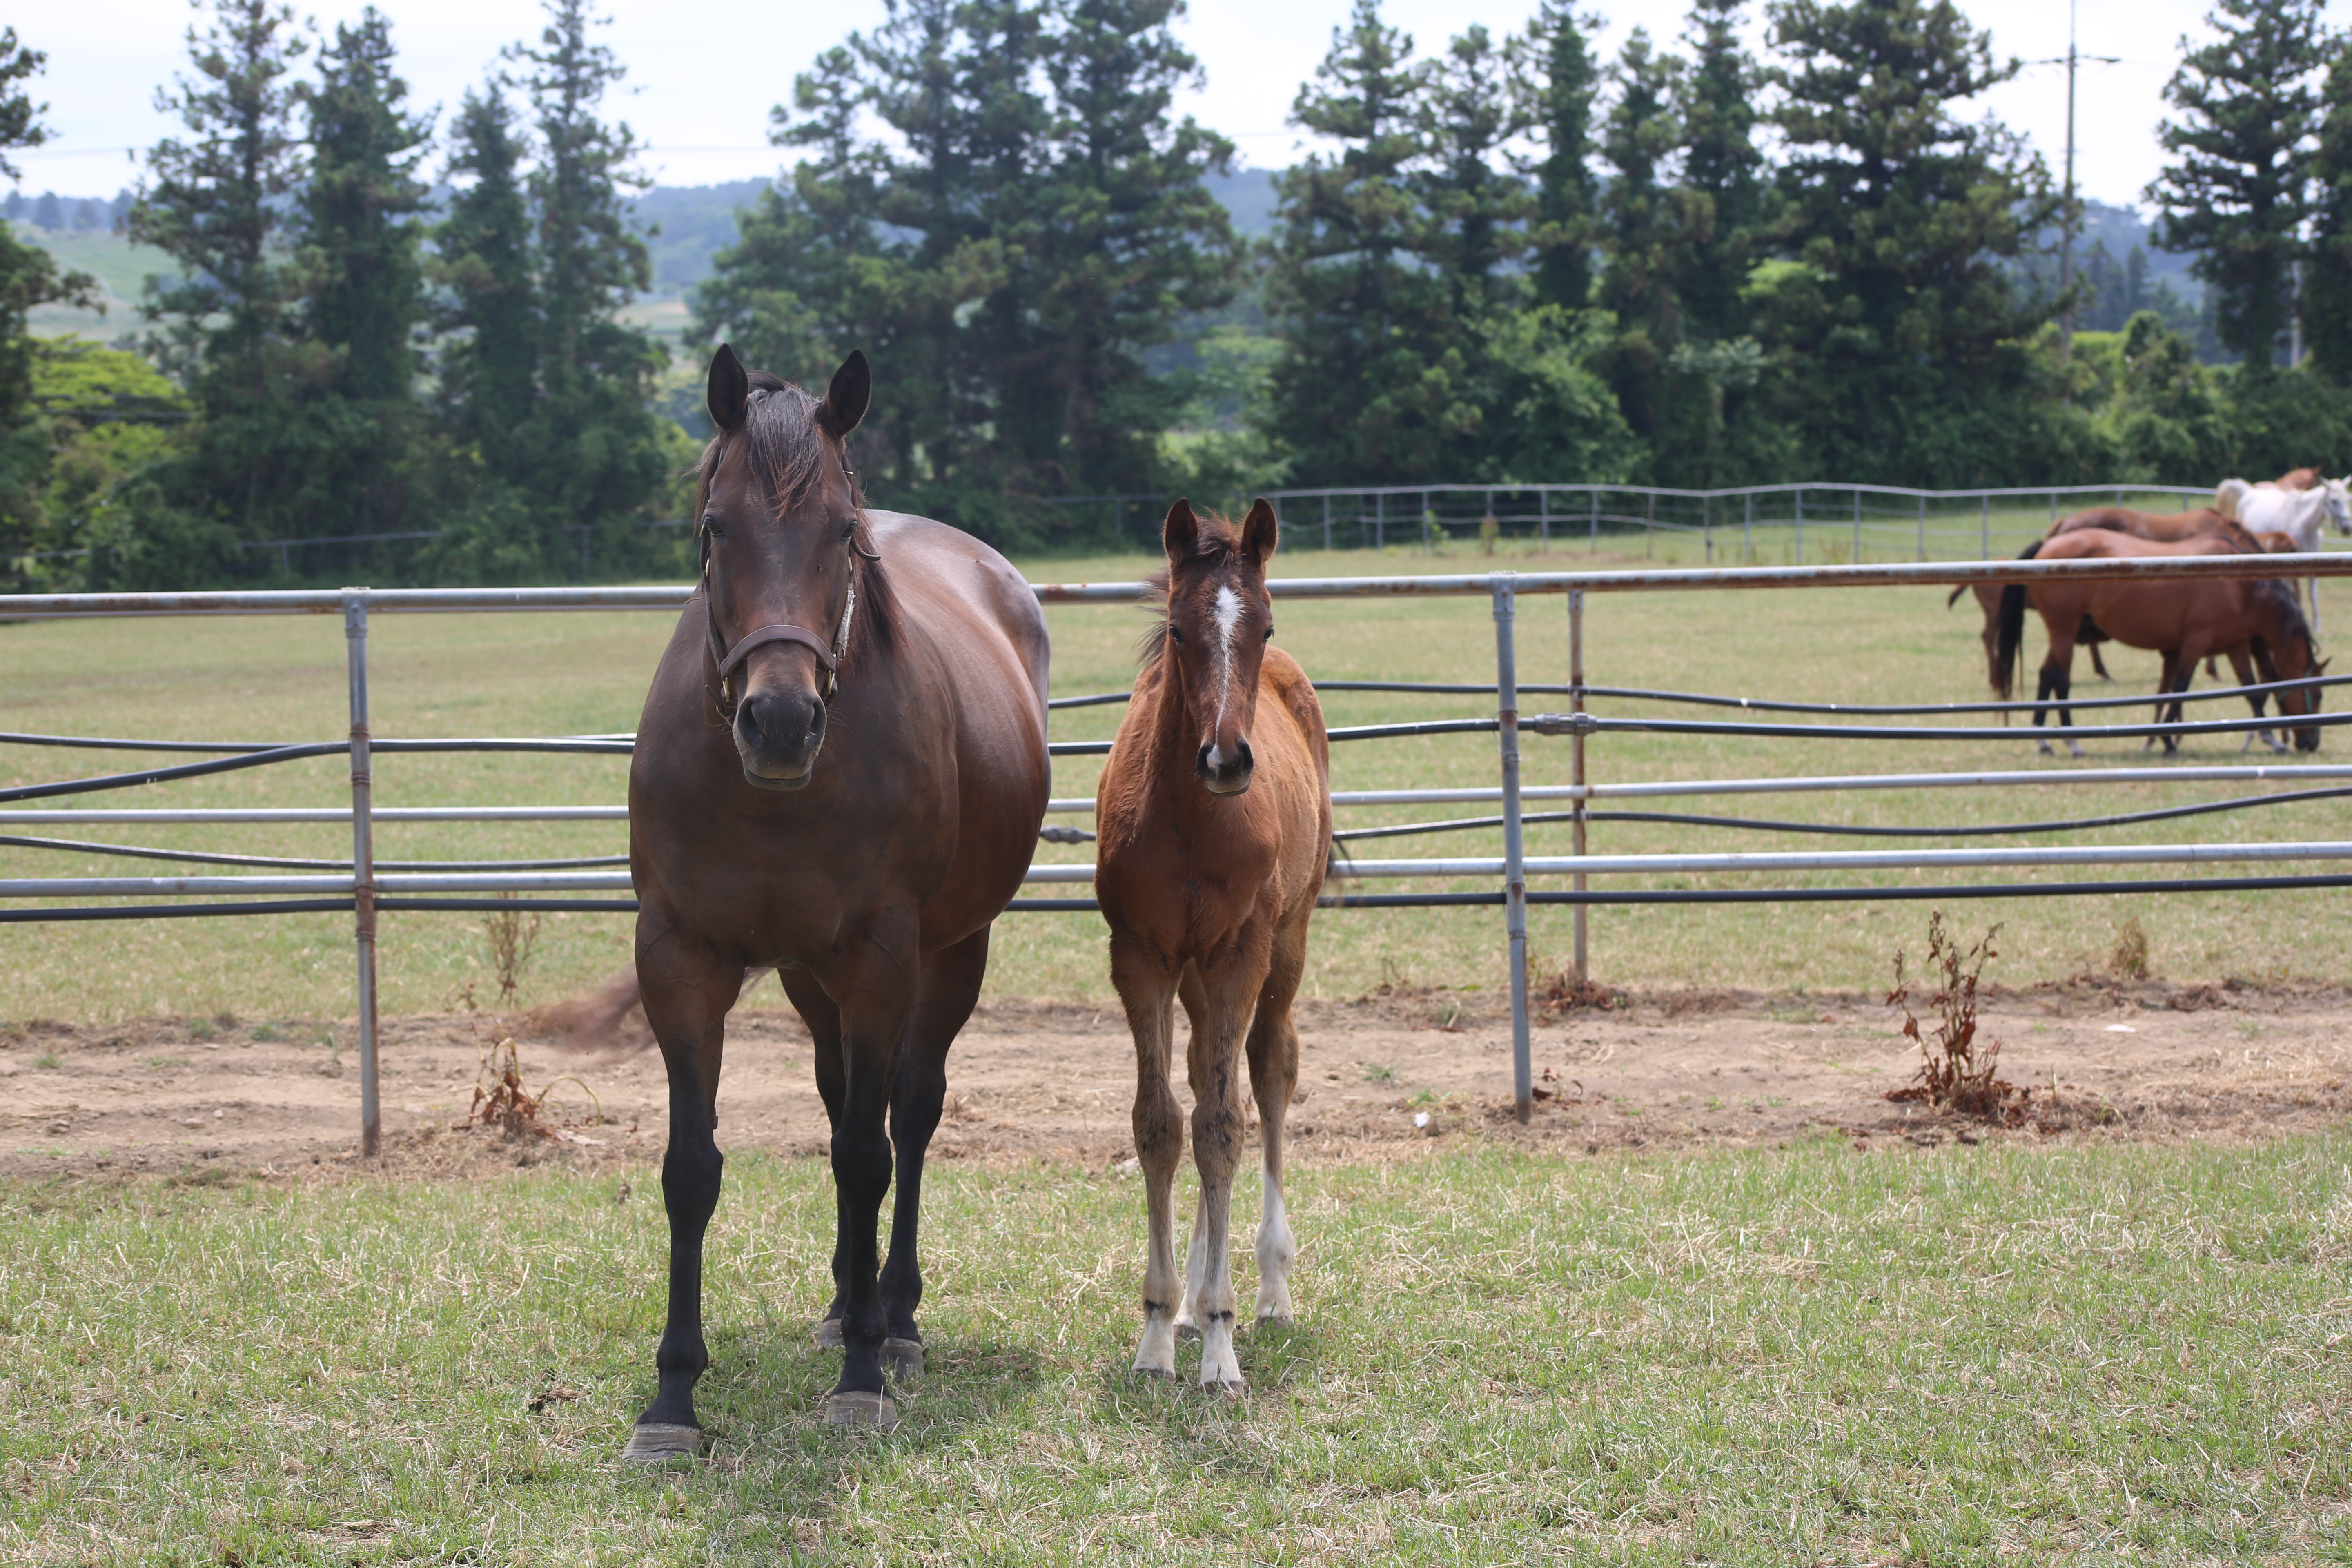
950 988
1147 989
1219 1129
688 991
1273 1075
824 1021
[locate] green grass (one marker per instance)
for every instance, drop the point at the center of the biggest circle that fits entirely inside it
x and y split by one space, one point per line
441 675
1737 1357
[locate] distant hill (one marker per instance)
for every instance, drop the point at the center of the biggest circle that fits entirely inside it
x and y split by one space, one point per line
696 223
121 267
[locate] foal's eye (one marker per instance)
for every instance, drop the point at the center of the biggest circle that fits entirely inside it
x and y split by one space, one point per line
1175 634
1269 631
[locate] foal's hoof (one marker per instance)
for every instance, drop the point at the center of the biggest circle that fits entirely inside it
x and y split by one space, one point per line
828 1334
856 1412
902 1359
656 1442
1186 1328
1275 1321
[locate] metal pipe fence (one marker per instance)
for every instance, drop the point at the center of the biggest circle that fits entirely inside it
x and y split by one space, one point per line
369 887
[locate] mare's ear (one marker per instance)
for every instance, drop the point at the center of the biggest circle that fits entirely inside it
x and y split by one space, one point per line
1259 532
845 400
1182 529
728 390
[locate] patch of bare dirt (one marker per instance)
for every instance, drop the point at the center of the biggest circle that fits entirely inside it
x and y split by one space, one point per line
1382 1077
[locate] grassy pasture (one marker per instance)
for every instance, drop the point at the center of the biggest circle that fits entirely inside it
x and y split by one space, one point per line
1808 1356
282 678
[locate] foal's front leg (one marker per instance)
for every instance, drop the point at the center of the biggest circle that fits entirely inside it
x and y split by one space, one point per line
1219 1130
688 991
1147 988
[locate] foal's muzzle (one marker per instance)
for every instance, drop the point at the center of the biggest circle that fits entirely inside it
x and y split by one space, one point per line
777 734
1224 775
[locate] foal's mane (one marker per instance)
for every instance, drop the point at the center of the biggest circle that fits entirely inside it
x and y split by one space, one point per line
789 452
1218 537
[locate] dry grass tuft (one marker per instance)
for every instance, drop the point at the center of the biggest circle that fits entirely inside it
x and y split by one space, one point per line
1956 1073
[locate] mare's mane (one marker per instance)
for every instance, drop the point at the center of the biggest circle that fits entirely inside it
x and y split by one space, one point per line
1218 537
2280 595
789 451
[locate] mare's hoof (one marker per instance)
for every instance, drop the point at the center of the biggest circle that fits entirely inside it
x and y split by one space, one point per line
828 1334
858 1412
902 1359
656 1442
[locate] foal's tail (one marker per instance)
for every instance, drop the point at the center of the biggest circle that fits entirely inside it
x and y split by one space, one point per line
1337 869
2010 628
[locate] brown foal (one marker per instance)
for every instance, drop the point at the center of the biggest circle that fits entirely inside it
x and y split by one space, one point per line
1215 813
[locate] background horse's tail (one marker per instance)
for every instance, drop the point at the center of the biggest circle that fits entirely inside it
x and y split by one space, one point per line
2011 629
1953 597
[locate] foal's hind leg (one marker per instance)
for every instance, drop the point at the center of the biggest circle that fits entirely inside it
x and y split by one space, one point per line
950 985
1273 1075
1148 990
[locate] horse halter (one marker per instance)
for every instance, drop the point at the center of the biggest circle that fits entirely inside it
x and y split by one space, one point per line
724 662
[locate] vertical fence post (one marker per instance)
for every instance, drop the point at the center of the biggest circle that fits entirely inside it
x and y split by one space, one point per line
362 862
1649 522
1379 520
1857 525
1576 758
1327 520
1543 515
1800 525
1514 877
1984 528
1592 502
1923 525
1707 526
1747 529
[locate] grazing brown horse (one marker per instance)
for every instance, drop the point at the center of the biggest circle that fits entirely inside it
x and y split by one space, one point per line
1215 813
839 774
2163 527
2183 620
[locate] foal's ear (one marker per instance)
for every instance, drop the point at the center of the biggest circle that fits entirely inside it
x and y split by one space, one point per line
1259 532
845 400
1181 531
727 390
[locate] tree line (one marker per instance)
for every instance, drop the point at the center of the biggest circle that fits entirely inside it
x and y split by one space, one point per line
1511 261
436 392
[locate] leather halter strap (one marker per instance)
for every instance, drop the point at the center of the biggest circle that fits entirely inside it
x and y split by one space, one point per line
766 635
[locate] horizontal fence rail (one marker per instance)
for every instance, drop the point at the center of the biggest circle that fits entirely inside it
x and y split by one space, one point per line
365 885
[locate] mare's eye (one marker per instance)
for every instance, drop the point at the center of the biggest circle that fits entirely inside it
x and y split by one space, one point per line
849 533
710 526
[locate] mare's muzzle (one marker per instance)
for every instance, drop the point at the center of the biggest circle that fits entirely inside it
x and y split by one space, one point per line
777 734
1223 775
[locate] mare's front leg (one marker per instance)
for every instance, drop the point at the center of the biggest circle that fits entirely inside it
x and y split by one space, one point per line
875 986
1229 986
824 1020
949 989
1147 989
687 990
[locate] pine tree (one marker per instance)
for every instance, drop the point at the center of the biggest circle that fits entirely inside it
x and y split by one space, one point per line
1722 163
594 456
1477 207
227 325
360 239
1560 81
2237 193
1364 325
2327 282
1649 225
489 371
1900 349
1131 236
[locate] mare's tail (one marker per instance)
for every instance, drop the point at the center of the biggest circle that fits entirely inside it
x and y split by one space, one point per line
607 1019
2011 629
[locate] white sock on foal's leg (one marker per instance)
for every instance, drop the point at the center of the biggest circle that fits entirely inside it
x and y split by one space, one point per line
1196 1269
1276 1253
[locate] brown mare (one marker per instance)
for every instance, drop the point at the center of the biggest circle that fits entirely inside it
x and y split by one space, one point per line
1215 813
839 774
2185 621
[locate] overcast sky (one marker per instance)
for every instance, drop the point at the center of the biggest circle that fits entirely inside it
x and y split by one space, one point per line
702 77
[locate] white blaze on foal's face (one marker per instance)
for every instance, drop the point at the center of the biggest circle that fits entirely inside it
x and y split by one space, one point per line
1229 620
